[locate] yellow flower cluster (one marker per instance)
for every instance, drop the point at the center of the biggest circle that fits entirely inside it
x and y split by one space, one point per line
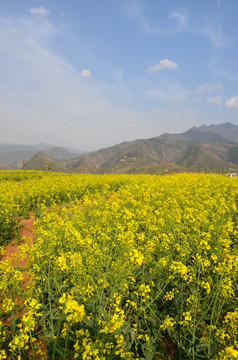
124 267
72 309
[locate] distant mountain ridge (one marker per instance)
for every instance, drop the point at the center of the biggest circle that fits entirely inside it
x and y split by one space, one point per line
204 148
12 156
226 130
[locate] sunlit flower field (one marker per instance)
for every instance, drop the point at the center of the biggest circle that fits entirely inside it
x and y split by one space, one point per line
122 267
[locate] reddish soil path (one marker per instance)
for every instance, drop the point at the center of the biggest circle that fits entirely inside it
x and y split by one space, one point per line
11 250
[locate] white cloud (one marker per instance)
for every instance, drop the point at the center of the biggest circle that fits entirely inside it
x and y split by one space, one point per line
232 102
86 73
182 20
163 64
40 11
172 92
132 10
122 84
215 100
209 87
214 35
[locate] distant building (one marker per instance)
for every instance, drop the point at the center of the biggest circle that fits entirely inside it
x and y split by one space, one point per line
233 174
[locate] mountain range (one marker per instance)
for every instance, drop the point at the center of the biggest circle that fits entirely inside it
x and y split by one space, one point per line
211 148
13 156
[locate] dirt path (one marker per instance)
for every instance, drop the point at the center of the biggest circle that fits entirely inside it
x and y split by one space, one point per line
11 250
12 253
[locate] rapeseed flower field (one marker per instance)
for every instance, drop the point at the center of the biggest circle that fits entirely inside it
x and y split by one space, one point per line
122 267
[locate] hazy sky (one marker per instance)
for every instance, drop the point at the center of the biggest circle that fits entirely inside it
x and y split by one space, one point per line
93 73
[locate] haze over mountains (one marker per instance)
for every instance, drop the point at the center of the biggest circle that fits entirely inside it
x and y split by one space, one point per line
13 156
204 148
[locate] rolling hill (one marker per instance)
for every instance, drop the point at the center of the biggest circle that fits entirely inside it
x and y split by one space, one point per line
12 156
204 148
42 161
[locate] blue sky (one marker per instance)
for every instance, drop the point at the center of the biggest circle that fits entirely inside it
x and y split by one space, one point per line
93 73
